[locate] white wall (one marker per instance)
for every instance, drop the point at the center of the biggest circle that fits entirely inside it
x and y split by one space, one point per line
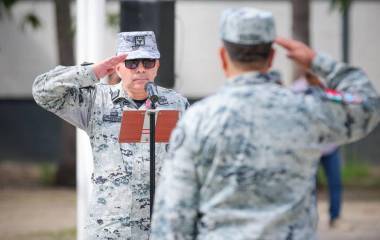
198 71
25 54
365 38
111 32
326 32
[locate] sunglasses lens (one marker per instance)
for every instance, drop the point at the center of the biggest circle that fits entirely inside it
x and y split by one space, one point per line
149 63
131 64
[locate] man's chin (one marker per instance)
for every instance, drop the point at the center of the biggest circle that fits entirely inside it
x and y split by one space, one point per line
139 84
140 81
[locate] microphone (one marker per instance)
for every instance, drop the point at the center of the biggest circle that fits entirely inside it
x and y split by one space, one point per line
151 90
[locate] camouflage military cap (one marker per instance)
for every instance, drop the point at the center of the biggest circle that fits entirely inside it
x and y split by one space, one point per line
248 26
138 45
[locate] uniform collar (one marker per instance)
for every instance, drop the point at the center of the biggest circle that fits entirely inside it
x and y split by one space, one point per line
253 78
118 93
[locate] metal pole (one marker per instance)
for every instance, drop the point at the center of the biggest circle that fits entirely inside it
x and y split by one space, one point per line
152 142
346 33
89 47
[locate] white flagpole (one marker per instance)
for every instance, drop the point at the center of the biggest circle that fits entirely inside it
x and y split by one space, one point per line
90 19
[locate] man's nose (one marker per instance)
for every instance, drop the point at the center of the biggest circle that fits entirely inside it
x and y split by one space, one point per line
140 67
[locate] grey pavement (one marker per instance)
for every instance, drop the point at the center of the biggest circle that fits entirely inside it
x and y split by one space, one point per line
49 214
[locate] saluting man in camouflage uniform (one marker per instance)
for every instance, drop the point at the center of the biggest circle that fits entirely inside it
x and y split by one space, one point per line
119 207
242 162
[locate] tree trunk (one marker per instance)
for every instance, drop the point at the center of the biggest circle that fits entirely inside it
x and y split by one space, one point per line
66 173
300 25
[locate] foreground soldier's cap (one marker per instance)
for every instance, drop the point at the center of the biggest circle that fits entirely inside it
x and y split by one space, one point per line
138 45
248 26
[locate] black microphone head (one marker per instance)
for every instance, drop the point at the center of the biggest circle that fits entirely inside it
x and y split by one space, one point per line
151 90
149 84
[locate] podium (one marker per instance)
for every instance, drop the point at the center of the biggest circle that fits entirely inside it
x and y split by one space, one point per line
143 126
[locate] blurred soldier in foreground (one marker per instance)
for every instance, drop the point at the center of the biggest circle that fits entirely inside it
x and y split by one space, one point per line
119 207
242 163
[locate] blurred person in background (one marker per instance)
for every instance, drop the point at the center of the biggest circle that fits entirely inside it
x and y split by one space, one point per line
331 163
331 159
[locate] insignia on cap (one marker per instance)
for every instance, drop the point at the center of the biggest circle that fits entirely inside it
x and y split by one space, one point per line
138 45
140 41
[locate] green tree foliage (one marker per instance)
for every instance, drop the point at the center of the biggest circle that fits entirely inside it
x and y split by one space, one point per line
29 19
341 4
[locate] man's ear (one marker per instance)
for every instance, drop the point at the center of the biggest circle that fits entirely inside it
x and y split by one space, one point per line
157 68
158 64
223 58
271 57
117 70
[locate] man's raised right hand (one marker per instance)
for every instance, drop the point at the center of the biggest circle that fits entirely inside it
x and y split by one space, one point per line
107 67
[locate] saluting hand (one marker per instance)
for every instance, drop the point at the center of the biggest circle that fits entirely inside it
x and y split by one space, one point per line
297 51
106 67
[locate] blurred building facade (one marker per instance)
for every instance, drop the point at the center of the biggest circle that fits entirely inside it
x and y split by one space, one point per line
32 134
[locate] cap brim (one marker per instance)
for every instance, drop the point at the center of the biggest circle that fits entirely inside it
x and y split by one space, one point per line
140 54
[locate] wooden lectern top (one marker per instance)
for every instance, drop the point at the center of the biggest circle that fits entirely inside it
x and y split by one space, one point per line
135 125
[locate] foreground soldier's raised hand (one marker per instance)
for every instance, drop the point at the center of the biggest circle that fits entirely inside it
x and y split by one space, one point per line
297 51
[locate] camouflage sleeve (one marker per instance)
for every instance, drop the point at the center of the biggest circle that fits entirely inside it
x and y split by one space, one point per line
176 201
345 121
186 103
67 92
183 103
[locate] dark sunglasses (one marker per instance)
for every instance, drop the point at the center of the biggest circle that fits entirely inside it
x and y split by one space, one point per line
134 63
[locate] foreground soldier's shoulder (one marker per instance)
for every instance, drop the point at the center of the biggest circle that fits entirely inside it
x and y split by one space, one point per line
202 107
341 97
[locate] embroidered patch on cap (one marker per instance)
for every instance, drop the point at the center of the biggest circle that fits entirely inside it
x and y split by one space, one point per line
140 41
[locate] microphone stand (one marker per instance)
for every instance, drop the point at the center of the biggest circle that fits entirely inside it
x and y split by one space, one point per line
152 142
152 93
